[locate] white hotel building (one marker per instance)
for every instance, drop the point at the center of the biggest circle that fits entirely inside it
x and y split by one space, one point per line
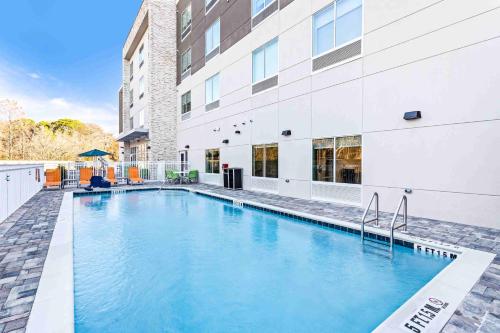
309 98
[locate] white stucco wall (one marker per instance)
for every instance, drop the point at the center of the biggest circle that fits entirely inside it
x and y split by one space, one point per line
446 68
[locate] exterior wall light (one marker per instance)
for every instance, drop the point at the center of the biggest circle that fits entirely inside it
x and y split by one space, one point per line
186 146
412 115
286 133
237 132
225 141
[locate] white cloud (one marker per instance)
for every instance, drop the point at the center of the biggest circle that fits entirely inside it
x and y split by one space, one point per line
34 76
39 105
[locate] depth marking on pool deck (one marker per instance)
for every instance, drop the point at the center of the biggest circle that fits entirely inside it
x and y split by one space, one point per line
53 310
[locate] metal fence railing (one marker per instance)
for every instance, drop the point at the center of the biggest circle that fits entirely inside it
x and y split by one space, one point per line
149 171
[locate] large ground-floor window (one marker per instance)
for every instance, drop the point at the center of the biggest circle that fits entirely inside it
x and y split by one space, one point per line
337 160
265 160
212 159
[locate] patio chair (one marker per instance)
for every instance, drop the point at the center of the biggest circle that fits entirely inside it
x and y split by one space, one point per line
133 175
192 176
110 176
85 175
172 177
53 178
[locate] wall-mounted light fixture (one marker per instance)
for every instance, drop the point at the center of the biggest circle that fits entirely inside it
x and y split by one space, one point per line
225 141
237 132
411 115
148 147
286 133
186 146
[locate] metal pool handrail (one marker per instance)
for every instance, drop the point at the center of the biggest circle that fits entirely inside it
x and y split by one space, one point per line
403 202
363 222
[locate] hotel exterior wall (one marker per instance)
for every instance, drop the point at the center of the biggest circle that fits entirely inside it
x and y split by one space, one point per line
403 68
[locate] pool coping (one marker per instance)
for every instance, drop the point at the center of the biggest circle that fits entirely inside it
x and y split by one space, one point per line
53 309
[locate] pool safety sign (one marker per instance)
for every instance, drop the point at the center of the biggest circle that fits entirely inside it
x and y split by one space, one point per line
422 319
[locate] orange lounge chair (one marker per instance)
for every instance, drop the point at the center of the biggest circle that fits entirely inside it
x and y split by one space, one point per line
133 176
110 176
85 175
53 177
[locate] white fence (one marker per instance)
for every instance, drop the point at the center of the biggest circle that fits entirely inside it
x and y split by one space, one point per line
149 171
18 183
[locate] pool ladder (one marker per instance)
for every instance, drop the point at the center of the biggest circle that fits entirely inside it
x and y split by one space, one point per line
403 203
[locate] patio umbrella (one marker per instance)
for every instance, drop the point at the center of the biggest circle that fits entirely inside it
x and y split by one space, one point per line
95 153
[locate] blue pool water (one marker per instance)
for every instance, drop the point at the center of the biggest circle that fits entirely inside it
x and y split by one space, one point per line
175 261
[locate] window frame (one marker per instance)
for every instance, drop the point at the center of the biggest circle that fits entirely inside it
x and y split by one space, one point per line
131 70
189 67
190 21
263 8
211 161
141 55
212 85
182 102
207 52
264 47
131 98
264 159
336 47
141 87
334 165
206 12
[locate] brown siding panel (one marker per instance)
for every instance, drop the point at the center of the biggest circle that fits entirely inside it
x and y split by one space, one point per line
284 3
235 22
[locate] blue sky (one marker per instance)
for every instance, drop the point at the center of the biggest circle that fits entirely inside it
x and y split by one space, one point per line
62 58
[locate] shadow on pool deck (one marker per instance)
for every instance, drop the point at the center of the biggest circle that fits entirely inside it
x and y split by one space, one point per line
25 237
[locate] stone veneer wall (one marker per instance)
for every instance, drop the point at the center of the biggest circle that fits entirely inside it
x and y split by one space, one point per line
160 91
162 88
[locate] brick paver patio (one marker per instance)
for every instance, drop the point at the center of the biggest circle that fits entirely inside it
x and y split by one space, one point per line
26 234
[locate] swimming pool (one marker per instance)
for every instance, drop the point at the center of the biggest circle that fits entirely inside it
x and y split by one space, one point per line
173 261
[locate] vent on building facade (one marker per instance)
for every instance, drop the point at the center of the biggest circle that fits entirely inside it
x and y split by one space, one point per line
186 32
210 5
211 106
212 54
337 55
266 84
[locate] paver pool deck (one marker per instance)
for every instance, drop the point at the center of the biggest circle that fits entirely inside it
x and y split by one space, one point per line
25 238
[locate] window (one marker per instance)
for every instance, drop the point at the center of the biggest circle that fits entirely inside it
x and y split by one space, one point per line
212 37
186 19
212 89
131 97
141 118
265 160
336 25
212 161
186 61
186 102
323 160
259 5
141 56
131 69
141 87
337 160
265 61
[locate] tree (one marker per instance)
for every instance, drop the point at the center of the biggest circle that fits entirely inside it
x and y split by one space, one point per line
10 110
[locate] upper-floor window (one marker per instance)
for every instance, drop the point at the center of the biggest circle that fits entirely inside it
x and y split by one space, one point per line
209 4
212 89
186 102
336 24
141 118
212 37
265 61
186 61
259 5
141 55
141 87
131 97
186 19
131 69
